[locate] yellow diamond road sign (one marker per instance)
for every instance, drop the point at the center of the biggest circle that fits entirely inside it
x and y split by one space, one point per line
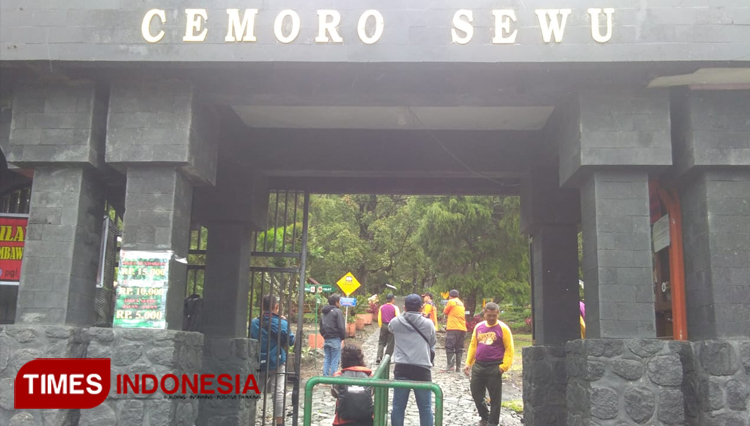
348 284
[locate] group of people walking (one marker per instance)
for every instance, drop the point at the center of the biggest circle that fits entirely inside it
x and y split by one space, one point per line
410 338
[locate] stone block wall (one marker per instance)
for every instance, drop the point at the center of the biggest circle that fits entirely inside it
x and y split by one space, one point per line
142 351
20 344
617 256
229 356
613 382
717 391
58 123
544 385
132 351
161 123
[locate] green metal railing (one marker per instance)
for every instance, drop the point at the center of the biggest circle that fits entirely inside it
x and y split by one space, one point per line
380 382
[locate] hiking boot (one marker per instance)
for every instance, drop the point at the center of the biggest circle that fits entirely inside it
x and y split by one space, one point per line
482 423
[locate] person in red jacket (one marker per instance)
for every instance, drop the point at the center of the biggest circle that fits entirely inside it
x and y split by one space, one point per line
354 405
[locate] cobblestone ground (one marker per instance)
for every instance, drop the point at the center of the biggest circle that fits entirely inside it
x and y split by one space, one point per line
459 409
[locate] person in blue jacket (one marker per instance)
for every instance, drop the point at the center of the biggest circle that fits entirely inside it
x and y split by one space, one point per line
272 367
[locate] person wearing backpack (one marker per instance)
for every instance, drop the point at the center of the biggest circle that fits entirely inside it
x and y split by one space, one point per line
272 330
333 330
354 406
413 357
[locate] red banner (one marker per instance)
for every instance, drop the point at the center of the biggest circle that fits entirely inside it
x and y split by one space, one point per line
12 239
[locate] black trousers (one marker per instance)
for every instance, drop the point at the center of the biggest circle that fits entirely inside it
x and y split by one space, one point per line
487 376
454 346
385 342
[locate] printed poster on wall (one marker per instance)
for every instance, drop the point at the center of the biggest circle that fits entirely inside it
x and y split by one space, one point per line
12 240
142 281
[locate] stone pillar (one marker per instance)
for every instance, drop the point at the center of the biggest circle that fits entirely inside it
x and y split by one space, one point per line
163 139
58 130
609 142
157 217
712 152
550 216
617 264
231 211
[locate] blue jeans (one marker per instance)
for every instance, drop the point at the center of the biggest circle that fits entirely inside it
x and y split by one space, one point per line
401 398
332 348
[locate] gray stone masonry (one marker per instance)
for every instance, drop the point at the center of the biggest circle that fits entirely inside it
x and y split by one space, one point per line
20 344
613 382
614 130
161 122
551 215
144 351
716 231
717 386
227 280
157 217
55 126
555 272
58 123
545 381
710 128
233 357
61 254
617 258
711 133
132 351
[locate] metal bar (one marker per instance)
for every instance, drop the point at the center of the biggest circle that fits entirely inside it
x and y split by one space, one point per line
286 209
275 221
260 352
252 300
376 383
294 223
272 254
301 302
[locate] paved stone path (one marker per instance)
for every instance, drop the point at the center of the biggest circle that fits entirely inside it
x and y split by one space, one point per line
458 407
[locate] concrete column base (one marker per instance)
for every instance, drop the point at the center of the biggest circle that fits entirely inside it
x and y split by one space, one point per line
544 385
233 356
20 344
145 351
615 382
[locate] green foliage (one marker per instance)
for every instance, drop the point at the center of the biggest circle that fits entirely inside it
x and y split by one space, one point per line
419 243
474 244
515 405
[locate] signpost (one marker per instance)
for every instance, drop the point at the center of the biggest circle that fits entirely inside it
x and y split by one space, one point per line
142 278
348 284
348 301
323 288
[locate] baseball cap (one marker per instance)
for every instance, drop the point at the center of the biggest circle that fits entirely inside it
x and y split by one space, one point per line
413 302
389 297
428 294
453 293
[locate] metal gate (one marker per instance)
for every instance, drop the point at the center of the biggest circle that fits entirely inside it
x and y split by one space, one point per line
278 272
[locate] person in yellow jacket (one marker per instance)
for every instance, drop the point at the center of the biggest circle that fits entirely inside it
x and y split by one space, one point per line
429 310
456 331
490 355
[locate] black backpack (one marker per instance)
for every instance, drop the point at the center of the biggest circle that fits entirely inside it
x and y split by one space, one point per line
355 402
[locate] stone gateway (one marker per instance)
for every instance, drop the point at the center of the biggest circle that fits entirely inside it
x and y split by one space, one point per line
175 128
